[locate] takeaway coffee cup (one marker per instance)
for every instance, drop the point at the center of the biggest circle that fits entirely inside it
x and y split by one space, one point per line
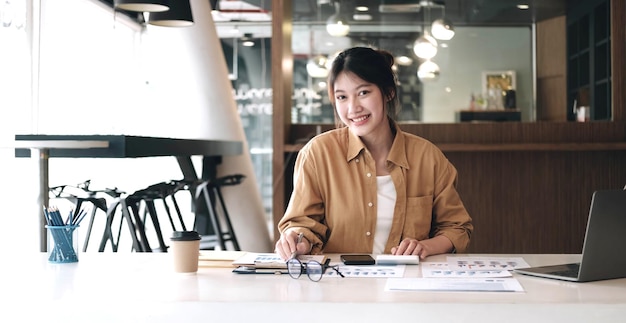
185 248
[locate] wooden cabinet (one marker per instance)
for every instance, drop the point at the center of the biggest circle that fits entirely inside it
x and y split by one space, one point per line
589 58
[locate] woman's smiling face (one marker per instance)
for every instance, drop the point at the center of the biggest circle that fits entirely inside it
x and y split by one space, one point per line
359 105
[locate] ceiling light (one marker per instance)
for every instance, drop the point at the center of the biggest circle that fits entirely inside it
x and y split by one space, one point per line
337 24
179 15
142 5
404 60
316 66
247 40
362 17
523 6
425 46
442 29
428 71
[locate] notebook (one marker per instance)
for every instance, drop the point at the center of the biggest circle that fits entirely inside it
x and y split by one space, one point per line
604 247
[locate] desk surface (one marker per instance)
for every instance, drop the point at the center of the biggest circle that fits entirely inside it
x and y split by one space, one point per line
122 146
140 287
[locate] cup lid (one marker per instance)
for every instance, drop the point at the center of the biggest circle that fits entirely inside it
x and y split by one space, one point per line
185 236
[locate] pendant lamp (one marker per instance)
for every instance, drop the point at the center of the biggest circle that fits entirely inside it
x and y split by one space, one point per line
142 5
337 24
425 46
179 15
442 29
316 67
428 71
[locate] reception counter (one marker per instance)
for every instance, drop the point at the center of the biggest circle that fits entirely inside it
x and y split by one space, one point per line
141 287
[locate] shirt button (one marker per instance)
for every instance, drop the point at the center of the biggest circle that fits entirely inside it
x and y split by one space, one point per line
368 233
370 204
357 160
369 174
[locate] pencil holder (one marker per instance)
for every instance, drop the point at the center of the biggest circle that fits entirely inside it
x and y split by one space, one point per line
62 243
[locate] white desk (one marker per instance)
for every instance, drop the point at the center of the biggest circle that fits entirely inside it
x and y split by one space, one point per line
140 287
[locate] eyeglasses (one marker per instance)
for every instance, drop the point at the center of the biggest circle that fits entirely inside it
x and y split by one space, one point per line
314 270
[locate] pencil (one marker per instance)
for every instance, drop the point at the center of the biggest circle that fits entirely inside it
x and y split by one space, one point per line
294 253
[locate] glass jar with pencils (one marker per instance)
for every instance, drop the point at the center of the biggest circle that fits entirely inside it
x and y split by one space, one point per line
63 235
62 243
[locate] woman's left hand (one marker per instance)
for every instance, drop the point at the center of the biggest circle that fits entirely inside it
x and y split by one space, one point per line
424 248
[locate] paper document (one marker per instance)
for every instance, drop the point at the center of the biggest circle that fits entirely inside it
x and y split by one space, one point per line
271 260
369 271
454 284
213 258
442 270
486 263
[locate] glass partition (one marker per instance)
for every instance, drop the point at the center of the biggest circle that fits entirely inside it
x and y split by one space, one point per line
463 63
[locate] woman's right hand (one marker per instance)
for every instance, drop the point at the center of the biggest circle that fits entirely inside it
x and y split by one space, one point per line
288 246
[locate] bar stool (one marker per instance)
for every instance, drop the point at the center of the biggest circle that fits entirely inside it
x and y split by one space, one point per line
140 208
81 194
133 224
210 193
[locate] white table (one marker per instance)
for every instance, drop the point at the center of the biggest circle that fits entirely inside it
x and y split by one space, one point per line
140 287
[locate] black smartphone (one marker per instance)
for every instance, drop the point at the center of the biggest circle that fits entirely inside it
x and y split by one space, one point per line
358 260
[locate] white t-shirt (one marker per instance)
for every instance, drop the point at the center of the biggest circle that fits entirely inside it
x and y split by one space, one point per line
386 203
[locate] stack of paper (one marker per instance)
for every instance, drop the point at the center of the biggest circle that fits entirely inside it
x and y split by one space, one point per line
224 259
478 274
268 263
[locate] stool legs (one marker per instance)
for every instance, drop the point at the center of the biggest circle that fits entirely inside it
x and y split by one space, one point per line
108 235
151 210
89 228
212 196
229 225
180 215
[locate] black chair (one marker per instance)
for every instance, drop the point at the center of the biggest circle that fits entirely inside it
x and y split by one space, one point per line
133 223
81 194
139 209
223 230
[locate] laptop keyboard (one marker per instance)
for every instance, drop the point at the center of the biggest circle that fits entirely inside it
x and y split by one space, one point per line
572 271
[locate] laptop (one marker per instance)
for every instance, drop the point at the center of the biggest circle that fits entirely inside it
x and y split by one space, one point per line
604 248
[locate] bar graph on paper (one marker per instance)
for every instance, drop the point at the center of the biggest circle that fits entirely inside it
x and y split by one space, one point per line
486 263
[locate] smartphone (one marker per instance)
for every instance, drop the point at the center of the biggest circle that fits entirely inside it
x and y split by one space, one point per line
358 260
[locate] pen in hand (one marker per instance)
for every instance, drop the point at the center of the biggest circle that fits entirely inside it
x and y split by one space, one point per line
294 253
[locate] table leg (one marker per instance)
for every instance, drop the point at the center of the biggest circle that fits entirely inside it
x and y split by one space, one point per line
209 172
42 156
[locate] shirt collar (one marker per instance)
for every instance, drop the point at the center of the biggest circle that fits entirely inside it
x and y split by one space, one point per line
397 154
355 145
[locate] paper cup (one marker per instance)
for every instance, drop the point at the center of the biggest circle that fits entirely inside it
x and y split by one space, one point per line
185 249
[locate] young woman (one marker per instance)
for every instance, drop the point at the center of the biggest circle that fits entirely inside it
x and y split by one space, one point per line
369 187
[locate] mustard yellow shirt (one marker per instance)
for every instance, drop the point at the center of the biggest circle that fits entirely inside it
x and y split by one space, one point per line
334 196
